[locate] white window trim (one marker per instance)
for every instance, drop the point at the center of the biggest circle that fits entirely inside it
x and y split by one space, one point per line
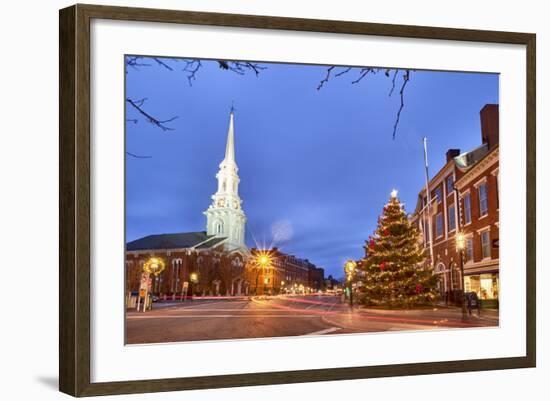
483 229
481 232
442 229
454 213
464 193
452 191
480 181
463 197
479 198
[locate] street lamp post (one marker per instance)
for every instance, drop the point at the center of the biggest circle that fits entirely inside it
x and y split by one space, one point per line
460 246
194 279
262 262
349 268
153 266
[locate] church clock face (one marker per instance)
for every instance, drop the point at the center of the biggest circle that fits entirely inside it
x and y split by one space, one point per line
220 202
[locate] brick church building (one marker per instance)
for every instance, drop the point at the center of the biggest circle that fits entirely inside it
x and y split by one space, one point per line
210 262
217 262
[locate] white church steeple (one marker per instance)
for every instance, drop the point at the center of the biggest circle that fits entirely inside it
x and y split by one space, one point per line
225 217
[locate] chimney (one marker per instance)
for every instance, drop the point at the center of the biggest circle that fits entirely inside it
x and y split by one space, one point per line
489 125
452 153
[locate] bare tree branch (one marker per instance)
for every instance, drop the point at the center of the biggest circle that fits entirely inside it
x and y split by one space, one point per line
327 77
406 77
138 156
191 67
393 82
240 67
159 123
343 72
363 73
162 63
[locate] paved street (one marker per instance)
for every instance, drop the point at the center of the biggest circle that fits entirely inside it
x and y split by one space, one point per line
215 319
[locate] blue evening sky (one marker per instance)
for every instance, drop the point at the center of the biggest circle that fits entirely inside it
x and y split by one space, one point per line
316 167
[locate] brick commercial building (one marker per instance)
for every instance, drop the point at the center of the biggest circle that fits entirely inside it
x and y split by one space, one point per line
440 218
284 274
479 200
463 198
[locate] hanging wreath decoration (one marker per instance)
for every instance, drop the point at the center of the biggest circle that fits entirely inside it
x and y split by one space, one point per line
154 266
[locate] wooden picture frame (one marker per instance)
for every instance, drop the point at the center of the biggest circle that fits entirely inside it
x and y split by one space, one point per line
74 204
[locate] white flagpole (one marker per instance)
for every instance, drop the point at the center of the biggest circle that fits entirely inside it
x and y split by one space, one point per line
429 200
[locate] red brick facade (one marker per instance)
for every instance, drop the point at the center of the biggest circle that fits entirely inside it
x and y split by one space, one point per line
288 274
443 219
480 188
470 180
216 272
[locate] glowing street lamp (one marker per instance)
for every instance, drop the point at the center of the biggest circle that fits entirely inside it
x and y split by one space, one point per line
154 266
349 268
460 247
262 260
194 277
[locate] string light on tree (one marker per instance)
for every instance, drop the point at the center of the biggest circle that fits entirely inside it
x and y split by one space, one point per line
394 271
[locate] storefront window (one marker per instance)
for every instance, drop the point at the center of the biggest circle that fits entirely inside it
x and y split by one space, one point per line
484 285
471 284
489 286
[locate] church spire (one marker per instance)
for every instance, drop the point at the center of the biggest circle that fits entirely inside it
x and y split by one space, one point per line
225 217
230 147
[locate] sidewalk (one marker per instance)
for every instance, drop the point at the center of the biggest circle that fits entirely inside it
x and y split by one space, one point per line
371 320
439 310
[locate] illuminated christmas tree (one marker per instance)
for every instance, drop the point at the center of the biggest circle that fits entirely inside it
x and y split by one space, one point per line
393 272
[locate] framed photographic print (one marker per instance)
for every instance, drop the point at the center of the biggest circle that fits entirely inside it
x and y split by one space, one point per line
250 200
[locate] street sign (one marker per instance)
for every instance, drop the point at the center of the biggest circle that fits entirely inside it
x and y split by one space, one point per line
184 289
144 282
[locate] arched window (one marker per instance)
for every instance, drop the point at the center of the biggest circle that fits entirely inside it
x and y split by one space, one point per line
219 227
442 284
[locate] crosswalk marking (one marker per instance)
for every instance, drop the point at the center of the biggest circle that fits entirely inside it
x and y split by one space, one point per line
325 331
